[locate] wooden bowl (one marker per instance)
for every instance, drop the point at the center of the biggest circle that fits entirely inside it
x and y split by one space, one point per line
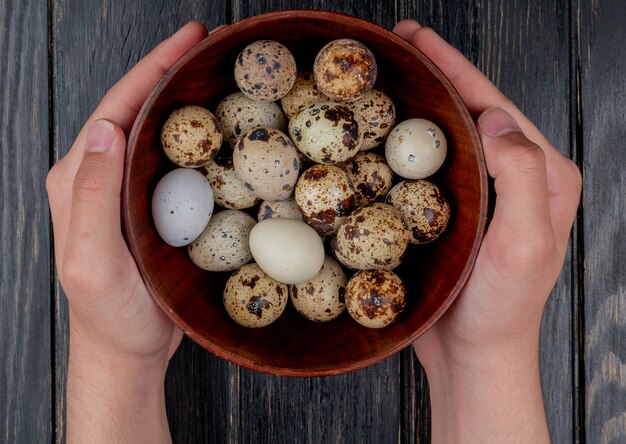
433 274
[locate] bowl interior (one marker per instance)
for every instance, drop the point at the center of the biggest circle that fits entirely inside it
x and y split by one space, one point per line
433 273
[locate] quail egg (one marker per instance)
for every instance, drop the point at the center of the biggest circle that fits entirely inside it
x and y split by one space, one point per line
322 298
191 136
224 243
303 93
377 117
324 195
229 190
266 160
252 298
425 209
326 132
238 114
288 250
415 148
287 209
374 236
375 298
182 205
370 175
345 69
265 70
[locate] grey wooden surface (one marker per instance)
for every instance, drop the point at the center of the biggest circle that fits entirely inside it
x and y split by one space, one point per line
561 61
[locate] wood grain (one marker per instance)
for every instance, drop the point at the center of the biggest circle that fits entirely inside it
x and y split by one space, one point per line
501 38
603 104
25 340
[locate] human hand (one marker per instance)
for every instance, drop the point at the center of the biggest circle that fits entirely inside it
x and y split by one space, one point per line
491 333
120 341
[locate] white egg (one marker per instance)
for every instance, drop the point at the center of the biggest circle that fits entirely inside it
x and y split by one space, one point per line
416 148
288 250
182 205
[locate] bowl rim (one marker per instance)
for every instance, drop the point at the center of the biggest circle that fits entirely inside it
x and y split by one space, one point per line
214 36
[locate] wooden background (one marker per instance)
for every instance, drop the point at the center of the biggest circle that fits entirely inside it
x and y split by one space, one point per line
561 61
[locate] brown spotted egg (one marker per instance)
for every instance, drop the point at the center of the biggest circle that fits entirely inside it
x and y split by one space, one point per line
345 69
265 70
374 236
375 298
266 160
425 209
286 209
252 298
229 190
238 114
224 243
191 136
303 93
324 195
377 116
370 175
322 298
326 132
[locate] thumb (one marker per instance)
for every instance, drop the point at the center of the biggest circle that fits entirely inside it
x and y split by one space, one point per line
521 222
95 226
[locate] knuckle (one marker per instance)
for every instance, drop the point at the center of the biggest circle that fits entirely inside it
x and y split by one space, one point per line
525 156
52 179
90 179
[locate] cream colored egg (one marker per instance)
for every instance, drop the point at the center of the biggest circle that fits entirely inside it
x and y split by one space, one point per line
424 207
265 70
322 298
238 114
228 189
326 132
375 298
191 136
374 236
266 160
303 93
224 243
288 250
325 196
416 148
252 298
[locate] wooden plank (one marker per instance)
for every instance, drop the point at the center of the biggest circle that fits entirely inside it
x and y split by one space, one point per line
25 372
501 37
603 103
93 46
361 407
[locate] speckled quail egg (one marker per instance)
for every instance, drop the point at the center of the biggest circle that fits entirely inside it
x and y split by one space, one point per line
375 298
224 243
288 250
326 132
324 195
265 70
415 148
425 209
374 236
345 69
322 298
303 93
229 190
377 117
252 298
370 175
286 209
191 136
266 160
238 114
182 205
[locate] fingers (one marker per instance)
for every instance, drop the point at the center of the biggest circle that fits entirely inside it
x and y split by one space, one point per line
94 225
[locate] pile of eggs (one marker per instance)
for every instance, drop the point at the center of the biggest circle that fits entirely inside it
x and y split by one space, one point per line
336 185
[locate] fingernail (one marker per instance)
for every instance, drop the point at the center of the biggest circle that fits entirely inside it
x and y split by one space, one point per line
100 136
496 122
